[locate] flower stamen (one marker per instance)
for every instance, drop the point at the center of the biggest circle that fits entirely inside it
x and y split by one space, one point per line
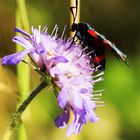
98 75
64 30
98 80
97 91
54 29
69 75
45 29
51 53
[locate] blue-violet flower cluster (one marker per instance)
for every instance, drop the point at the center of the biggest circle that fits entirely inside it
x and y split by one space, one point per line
69 67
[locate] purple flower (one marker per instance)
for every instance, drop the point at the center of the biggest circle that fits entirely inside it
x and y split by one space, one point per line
70 68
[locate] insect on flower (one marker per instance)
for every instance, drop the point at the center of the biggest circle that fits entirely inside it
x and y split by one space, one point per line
96 42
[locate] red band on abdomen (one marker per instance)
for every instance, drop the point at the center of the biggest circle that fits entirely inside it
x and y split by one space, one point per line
99 58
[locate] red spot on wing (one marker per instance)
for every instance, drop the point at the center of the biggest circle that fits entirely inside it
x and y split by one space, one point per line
99 58
93 33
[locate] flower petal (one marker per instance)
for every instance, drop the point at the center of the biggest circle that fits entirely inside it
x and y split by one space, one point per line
62 120
60 59
39 50
74 128
62 98
14 59
36 35
83 90
23 42
76 100
77 123
21 31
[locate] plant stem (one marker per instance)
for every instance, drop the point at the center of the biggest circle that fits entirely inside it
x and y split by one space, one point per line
77 20
23 23
23 72
16 122
34 93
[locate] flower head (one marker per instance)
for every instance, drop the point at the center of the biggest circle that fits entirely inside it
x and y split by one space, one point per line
69 67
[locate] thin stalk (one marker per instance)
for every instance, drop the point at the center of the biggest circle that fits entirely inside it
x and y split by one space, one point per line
34 93
77 19
16 121
23 72
21 6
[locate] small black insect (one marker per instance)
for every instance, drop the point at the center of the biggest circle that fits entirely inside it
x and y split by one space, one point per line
96 42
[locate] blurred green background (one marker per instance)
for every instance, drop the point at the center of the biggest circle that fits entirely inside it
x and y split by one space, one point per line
118 20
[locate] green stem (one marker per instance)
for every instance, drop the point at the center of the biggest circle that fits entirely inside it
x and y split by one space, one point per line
21 6
23 72
34 93
16 122
23 23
